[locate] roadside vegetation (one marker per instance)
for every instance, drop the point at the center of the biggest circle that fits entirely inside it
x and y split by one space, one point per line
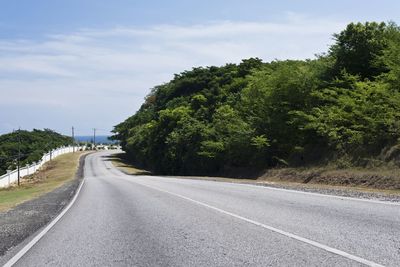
341 109
52 175
122 162
30 144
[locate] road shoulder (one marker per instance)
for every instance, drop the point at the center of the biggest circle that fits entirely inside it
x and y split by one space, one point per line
25 219
392 195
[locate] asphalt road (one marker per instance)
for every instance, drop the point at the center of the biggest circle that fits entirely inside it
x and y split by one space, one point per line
122 220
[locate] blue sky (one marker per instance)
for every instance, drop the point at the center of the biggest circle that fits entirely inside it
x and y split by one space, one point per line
90 63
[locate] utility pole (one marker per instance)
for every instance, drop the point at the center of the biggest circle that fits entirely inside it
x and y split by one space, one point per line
94 138
19 154
73 140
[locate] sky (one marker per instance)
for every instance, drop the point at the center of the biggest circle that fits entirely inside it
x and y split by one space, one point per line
90 63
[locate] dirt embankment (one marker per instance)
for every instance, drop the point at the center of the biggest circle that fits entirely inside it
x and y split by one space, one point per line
385 178
379 179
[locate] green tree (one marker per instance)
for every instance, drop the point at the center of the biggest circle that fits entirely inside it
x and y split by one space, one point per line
344 103
359 120
31 145
358 47
391 56
270 99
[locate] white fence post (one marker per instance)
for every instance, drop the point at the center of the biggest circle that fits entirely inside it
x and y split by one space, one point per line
10 176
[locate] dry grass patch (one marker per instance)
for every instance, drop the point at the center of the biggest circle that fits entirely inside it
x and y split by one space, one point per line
52 175
384 180
377 180
122 164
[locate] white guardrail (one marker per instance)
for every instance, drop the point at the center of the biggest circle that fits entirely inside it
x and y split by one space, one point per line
12 176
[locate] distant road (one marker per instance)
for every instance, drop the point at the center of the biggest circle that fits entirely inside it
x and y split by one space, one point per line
121 220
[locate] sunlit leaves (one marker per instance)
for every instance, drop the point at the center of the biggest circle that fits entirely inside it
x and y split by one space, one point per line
343 104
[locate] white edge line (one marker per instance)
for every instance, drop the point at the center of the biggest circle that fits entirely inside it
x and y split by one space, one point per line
323 195
276 230
266 186
28 246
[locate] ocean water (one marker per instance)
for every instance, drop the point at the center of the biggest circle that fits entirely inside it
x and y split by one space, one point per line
100 139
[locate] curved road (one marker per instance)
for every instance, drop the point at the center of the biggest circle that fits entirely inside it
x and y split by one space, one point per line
122 220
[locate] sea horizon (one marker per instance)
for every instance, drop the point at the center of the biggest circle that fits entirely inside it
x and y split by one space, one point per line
100 139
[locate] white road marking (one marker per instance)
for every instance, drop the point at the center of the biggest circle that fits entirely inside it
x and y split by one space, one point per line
28 246
265 186
324 195
276 230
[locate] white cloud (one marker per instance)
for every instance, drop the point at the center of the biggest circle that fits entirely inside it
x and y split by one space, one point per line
117 67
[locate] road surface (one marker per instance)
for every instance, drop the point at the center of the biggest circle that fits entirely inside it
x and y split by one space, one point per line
122 220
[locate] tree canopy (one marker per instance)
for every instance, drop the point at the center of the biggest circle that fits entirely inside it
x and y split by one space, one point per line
345 103
31 145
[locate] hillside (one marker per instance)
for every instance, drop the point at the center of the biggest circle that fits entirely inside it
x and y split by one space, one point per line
341 108
32 146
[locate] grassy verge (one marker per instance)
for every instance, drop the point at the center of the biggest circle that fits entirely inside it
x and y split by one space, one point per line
120 162
376 180
52 175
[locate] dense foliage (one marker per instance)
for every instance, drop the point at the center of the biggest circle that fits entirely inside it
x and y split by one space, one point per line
344 104
31 145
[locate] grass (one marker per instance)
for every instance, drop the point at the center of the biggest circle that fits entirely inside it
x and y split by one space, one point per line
120 162
384 179
278 177
52 175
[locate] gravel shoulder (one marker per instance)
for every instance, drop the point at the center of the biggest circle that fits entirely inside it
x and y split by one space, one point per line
25 219
380 185
392 195
354 192
341 191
